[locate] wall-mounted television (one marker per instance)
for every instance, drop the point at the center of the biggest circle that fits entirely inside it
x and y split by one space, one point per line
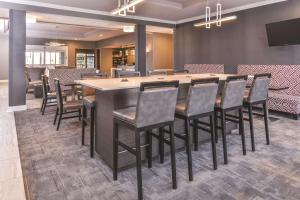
284 33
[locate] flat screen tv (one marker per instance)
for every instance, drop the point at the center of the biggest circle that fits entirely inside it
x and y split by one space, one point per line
284 32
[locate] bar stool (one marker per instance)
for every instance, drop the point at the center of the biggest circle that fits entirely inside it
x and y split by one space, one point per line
89 103
155 109
231 100
199 103
157 73
258 95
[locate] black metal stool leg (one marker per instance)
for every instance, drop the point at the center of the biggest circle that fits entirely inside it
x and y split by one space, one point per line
138 165
241 130
59 120
173 160
266 119
149 148
42 105
92 132
55 117
188 148
251 127
161 145
223 124
115 150
216 125
213 139
83 124
195 134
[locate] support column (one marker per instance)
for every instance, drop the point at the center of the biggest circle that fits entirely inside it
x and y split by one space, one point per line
17 47
140 48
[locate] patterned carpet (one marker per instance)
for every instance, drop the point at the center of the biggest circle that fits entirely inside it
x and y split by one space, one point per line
57 167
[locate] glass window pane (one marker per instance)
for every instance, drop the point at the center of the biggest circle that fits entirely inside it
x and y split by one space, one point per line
80 60
36 58
28 58
52 61
90 62
58 58
48 58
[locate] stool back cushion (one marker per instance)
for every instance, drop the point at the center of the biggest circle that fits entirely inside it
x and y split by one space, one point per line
156 106
201 99
259 89
233 94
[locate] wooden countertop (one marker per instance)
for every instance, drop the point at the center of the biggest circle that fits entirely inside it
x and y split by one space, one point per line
134 82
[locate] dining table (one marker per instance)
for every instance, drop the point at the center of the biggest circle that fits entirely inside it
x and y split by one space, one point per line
118 93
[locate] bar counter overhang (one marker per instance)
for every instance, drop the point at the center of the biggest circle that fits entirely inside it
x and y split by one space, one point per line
118 93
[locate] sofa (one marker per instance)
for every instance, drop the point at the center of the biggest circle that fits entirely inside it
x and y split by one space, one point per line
204 68
284 93
66 75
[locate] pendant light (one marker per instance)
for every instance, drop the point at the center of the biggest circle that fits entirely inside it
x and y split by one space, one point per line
207 15
219 14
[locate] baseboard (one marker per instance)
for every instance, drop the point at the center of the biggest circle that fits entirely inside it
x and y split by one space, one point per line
16 108
3 81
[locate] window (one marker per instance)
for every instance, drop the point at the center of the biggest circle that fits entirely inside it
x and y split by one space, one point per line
45 56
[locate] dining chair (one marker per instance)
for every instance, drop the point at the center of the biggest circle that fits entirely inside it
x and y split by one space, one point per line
155 109
49 98
65 107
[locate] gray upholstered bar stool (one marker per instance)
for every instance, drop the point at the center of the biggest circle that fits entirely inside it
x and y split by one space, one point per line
89 104
127 74
155 109
231 100
157 73
200 103
258 95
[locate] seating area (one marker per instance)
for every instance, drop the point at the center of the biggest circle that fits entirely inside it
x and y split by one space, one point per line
284 94
148 100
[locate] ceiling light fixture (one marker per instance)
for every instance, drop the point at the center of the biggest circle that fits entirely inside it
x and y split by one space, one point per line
126 6
230 18
207 16
128 29
219 14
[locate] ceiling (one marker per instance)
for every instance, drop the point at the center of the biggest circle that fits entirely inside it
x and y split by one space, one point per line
75 28
173 11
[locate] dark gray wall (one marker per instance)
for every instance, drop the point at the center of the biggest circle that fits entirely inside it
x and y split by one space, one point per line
243 41
17 43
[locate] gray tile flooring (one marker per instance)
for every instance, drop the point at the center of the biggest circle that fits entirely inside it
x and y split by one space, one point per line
11 178
57 167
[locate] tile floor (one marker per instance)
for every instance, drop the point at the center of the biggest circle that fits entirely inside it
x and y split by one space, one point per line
11 178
